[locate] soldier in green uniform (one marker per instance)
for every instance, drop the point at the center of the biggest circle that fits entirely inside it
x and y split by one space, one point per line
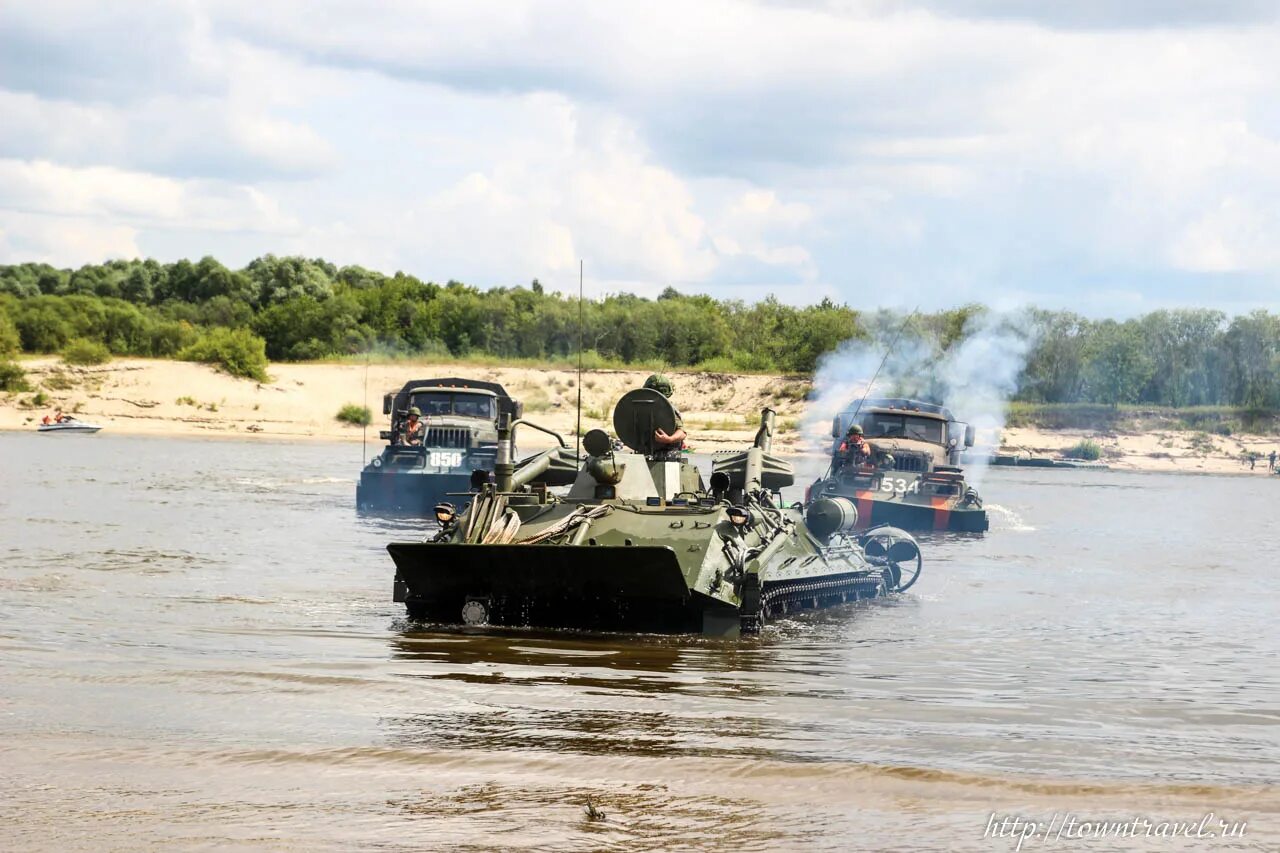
664 443
414 429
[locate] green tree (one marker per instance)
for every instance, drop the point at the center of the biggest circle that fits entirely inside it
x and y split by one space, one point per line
1119 363
10 341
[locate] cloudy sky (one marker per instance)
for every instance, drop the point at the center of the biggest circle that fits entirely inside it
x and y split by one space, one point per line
1111 157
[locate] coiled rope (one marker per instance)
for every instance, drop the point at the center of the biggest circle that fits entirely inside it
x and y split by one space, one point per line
581 515
504 524
503 529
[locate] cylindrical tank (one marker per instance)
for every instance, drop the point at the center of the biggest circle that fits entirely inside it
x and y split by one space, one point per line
830 515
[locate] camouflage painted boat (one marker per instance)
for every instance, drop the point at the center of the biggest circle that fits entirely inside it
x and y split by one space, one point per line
641 542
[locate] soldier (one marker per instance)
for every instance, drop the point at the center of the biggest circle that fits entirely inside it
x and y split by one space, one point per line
664 443
854 450
414 429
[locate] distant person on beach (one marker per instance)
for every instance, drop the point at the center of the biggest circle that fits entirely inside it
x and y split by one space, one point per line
1271 461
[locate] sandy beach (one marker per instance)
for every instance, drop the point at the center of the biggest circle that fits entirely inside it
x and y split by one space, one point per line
172 398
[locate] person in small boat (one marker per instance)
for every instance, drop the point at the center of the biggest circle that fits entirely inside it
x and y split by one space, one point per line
415 431
666 444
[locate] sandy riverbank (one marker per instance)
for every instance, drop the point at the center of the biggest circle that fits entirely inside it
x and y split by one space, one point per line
171 398
1170 451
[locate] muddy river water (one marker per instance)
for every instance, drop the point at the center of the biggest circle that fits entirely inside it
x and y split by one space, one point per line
198 650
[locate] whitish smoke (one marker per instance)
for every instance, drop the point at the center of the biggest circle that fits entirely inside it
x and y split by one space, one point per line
974 378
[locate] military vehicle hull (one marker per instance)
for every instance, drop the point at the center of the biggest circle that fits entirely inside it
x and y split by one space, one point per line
609 588
941 514
413 480
905 502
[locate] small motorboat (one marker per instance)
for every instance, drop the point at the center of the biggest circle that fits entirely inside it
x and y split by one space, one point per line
69 424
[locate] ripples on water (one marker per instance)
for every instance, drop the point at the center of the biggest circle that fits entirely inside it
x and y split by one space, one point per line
198 649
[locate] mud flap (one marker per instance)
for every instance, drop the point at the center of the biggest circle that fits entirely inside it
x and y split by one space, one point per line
752 618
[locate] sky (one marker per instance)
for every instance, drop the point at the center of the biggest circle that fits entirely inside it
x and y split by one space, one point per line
1109 158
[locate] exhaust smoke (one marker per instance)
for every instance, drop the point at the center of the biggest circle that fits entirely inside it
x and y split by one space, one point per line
975 375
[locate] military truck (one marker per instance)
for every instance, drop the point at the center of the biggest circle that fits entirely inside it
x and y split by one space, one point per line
640 542
912 478
461 436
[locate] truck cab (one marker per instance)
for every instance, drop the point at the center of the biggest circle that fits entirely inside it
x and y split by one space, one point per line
913 477
460 417
921 437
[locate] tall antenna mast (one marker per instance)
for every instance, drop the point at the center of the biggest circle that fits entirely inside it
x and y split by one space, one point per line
577 450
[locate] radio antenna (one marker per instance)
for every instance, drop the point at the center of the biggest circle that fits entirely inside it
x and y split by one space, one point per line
577 449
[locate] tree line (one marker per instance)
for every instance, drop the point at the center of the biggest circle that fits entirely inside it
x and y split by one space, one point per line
296 308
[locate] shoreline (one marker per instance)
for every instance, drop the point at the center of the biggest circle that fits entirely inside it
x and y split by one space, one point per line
164 398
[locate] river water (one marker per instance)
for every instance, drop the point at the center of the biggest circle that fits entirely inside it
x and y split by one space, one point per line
198 650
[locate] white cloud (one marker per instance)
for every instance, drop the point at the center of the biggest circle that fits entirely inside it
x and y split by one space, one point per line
63 241
114 195
988 149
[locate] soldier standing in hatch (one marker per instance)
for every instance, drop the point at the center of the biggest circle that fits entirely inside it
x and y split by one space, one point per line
664 444
854 450
414 429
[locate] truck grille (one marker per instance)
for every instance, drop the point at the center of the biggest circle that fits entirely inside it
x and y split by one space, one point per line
447 437
909 463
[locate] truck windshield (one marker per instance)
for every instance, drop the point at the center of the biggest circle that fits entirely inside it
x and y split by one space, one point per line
463 405
902 426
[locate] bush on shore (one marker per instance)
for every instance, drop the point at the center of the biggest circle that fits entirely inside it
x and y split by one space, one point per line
1085 449
237 351
12 377
355 414
84 352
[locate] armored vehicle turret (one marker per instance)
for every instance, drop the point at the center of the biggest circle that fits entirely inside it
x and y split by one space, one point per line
441 431
641 541
898 461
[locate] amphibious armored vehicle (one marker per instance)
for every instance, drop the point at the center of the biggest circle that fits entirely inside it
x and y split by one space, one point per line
912 477
460 436
641 542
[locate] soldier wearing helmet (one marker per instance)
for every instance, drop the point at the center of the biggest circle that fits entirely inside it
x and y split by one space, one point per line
414 429
664 443
854 450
